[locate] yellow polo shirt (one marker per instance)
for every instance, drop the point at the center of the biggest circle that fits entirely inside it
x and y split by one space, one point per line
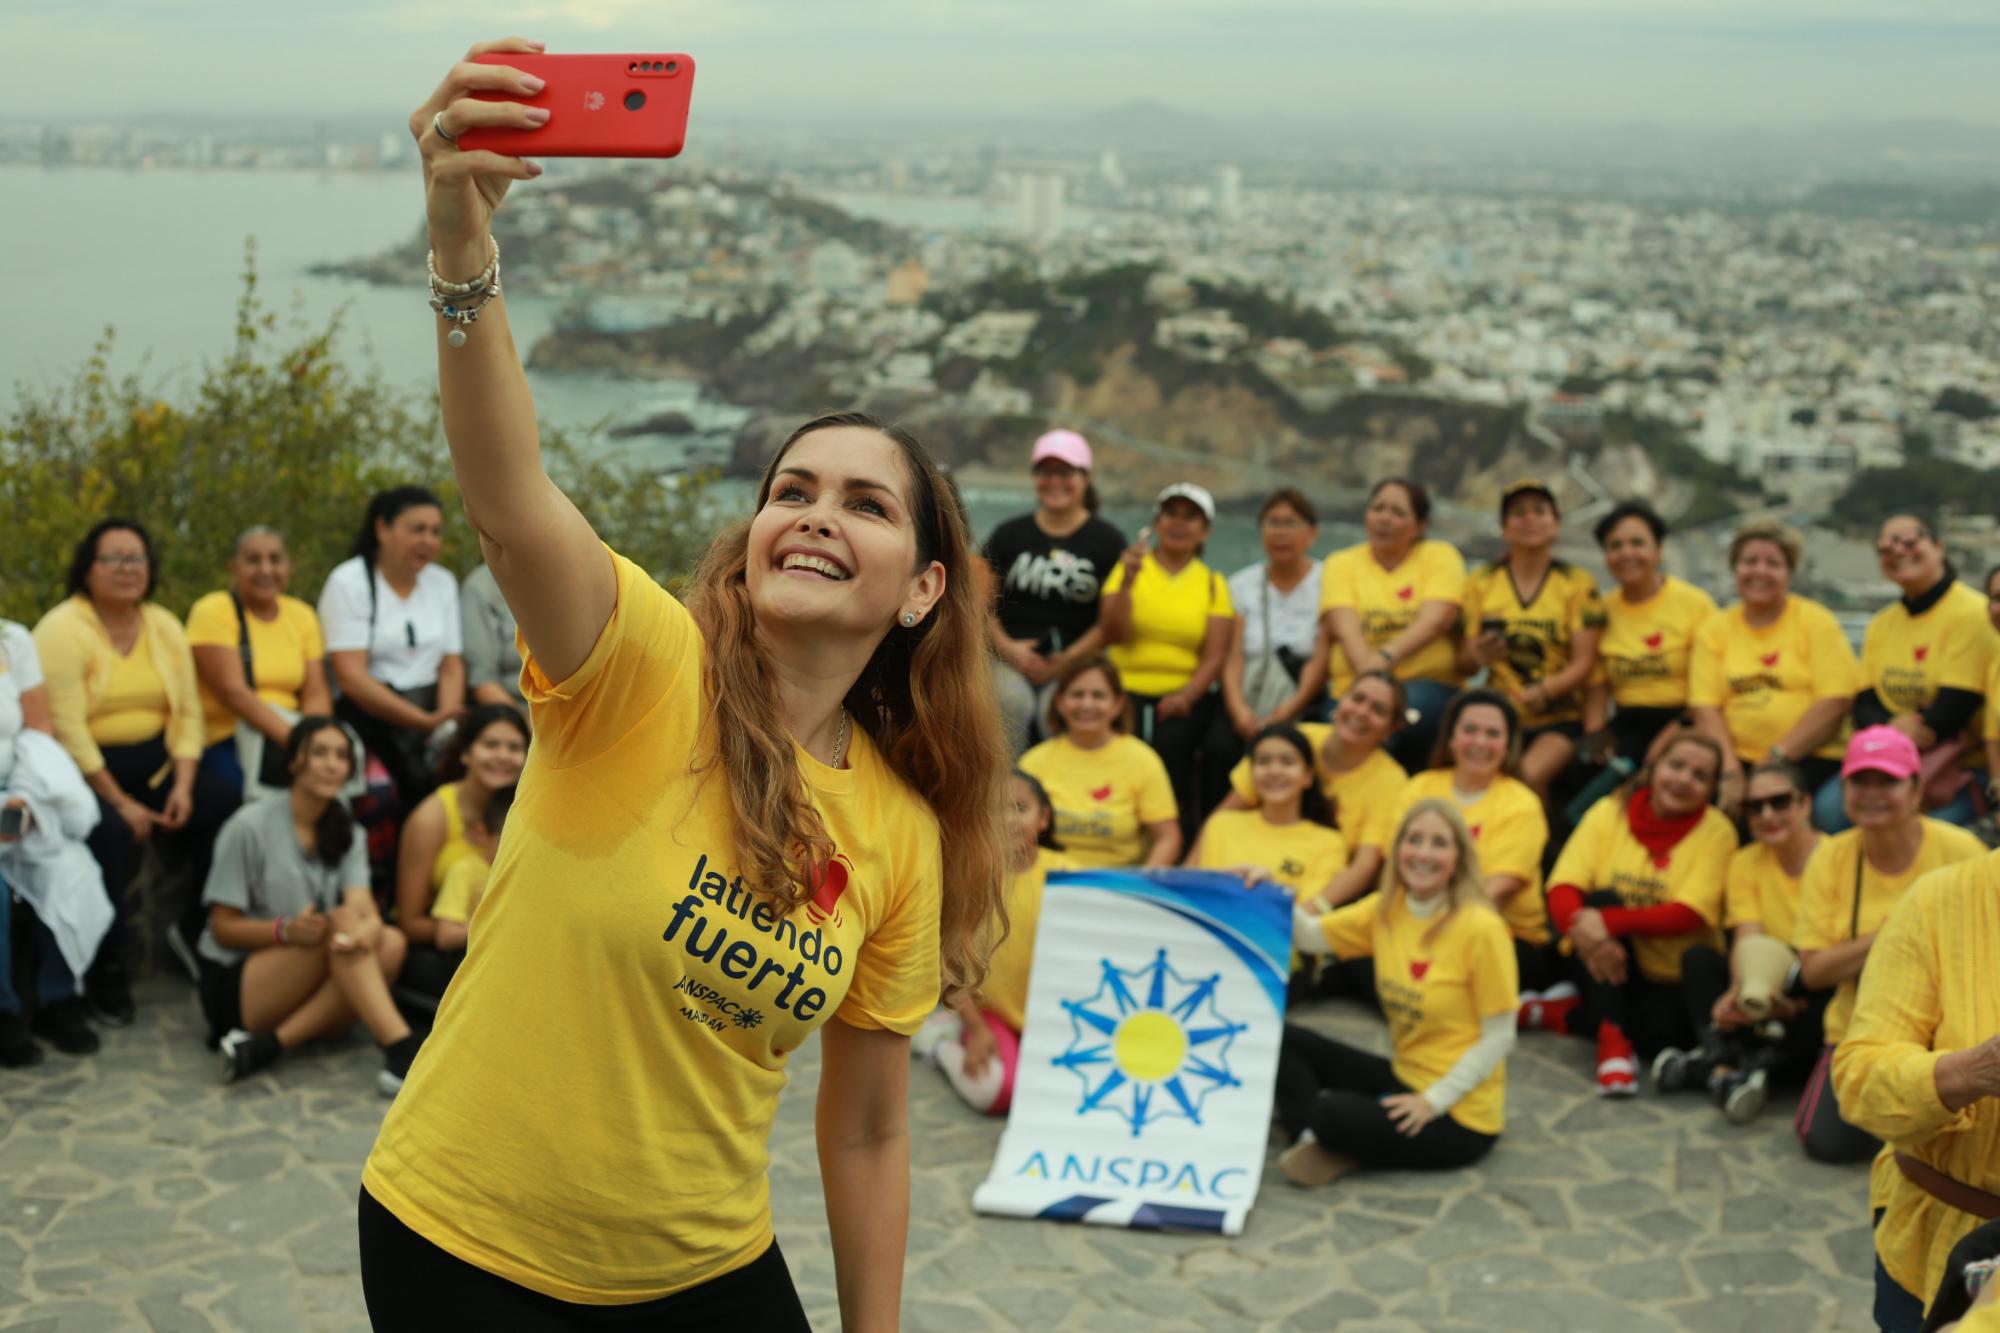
1436 989
1387 600
1827 897
1604 854
1510 830
1643 652
1103 798
1170 615
590 1117
1365 798
1539 632
1765 679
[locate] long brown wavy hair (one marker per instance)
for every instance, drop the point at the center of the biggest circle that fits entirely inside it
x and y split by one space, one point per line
925 698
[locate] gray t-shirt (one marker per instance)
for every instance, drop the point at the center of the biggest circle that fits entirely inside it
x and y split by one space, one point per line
261 870
491 655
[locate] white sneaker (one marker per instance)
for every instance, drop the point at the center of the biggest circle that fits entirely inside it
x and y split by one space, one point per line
941 1024
387 1083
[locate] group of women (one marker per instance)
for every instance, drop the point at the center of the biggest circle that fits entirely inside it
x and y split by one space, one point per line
195 736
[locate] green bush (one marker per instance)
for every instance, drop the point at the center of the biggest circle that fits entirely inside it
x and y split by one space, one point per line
279 431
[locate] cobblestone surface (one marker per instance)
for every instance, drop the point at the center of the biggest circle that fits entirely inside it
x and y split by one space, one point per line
138 1192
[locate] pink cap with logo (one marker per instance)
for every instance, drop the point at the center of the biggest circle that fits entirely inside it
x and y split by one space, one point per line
1065 446
1881 750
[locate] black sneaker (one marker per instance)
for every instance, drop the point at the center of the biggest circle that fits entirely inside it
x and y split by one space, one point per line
244 1053
109 992
62 1026
397 1057
18 1050
1675 1069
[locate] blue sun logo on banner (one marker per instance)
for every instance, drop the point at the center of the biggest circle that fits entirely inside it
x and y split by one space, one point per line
1155 1058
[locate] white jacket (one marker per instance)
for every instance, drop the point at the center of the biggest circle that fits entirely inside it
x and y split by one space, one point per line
51 868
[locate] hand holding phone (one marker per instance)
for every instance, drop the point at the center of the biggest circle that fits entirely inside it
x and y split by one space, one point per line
1134 556
586 106
15 821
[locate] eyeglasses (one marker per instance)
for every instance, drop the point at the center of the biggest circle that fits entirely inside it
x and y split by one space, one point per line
1281 523
1891 545
1777 805
123 561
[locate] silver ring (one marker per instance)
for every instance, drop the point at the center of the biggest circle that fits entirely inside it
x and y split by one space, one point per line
437 126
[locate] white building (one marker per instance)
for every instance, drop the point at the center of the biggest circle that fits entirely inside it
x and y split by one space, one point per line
1039 201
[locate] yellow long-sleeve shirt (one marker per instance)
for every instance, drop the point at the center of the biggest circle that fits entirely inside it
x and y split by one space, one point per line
78 663
1927 991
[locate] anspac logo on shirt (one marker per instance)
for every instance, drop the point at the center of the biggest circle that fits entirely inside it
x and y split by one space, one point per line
1291 866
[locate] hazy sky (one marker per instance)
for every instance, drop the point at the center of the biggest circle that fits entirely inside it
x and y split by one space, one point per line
1697 63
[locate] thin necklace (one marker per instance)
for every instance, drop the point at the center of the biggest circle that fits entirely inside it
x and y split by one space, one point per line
840 738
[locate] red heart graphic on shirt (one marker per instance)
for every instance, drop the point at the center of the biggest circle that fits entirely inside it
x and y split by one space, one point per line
1419 966
1474 831
1102 793
1923 651
1661 860
1655 639
832 883
1406 592
1770 659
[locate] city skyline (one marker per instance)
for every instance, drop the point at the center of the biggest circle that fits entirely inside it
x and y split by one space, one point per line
1443 65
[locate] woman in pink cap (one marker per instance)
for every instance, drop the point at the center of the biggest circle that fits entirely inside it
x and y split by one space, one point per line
1850 884
1051 565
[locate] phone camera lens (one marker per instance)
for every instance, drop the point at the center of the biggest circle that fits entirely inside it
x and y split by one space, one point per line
634 100
673 67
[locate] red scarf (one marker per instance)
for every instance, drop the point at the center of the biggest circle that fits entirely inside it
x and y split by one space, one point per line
1655 832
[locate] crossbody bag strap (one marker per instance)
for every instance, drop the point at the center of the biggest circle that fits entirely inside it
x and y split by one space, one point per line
1860 867
243 641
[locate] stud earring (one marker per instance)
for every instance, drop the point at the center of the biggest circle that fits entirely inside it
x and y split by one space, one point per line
909 619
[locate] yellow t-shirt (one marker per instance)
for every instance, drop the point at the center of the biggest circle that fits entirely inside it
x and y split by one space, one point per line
1365 798
1827 914
1538 631
1907 659
279 653
1643 652
1103 798
1760 893
456 848
590 1116
134 706
1170 614
1435 993
1928 990
1303 855
1387 600
1763 680
462 884
1005 991
1510 830
1603 854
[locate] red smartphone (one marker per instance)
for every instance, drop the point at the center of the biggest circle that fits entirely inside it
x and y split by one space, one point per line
598 105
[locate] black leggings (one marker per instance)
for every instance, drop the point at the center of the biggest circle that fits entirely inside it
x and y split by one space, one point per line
1336 1092
412 1284
1652 1014
1178 742
132 767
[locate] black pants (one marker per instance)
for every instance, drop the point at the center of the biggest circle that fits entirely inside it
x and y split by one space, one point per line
412 1284
1652 1014
1336 1092
1823 1131
1633 729
428 971
1177 740
1538 966
132 767
400 749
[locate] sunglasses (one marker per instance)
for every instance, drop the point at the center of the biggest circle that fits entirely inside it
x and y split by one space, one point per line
1777 805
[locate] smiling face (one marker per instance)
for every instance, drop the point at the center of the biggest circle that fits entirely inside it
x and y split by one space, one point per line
1365 714
261 568
1876 800
1027 820
1059 487
323 767
1179 527
1087 706
1530 524
1279 772
1287 537
1763 576
412 539
1426 855
1391 519
496 755
1684 779
1911 560
834 547
1479 741
118 577
1777 812
1632 553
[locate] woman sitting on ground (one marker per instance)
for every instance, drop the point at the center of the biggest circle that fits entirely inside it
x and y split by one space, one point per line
1639 883
1113 800
294 947
980 1060
1289 836
451 829
1445 971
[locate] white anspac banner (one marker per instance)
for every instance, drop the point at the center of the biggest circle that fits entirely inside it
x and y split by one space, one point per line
1143 1094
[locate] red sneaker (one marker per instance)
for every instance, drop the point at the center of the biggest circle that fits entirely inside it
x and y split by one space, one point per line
1617 1064
1547 1013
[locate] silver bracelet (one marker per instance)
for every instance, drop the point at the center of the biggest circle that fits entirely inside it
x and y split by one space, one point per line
459 303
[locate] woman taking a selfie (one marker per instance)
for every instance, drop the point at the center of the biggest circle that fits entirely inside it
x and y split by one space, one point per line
735 824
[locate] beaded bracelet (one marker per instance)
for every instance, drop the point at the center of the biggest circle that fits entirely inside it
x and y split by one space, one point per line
459 303
278 930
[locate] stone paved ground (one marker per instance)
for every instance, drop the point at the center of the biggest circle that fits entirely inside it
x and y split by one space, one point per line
136 1192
